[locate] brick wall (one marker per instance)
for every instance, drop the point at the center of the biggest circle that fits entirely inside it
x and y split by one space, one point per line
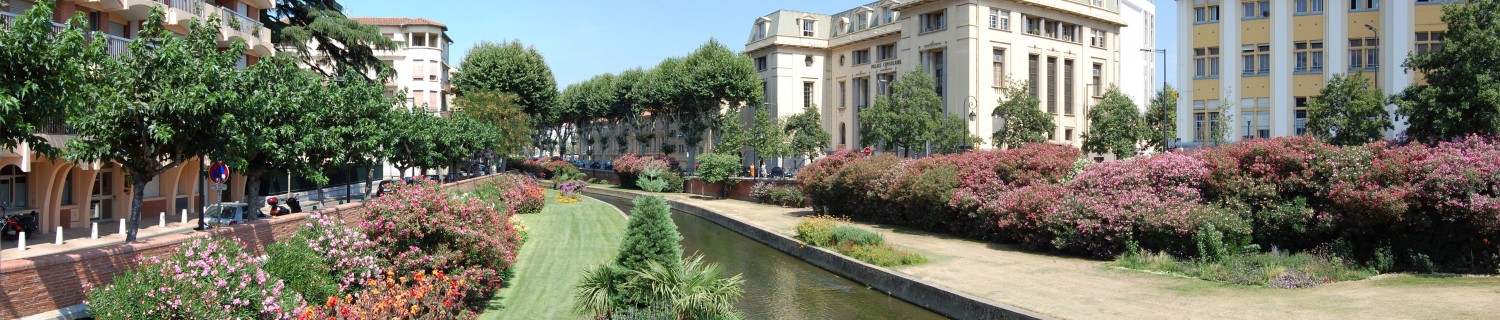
46 283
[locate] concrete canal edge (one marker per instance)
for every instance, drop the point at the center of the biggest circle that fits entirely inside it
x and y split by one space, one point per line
942 300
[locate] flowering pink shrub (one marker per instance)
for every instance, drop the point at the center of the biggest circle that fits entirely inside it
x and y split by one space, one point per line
984 174
817 178
520 193
211 278
347 251
630 166
420 227
1148 199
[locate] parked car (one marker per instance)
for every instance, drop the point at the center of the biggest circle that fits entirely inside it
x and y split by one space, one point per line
228 214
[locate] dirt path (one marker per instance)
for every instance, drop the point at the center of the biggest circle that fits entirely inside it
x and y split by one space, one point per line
1074 288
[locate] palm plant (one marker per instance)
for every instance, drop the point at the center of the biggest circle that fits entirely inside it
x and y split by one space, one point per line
695 291
594 292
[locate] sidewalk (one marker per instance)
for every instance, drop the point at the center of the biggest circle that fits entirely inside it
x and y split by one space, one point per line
109 233
1074 288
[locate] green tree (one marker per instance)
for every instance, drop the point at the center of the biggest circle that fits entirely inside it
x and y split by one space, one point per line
306 26
910 117
1461 96
37 69
509 67
1348 111
159 106
709 80
343 112
1160 119
627 107
807 137
767 137
1021 118
650 236
719 167
264 139
1114 126
409 139
512 127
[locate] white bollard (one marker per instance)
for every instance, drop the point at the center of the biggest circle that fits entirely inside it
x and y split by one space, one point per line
162 221
59 235
122 227
94 232
184 216
21 242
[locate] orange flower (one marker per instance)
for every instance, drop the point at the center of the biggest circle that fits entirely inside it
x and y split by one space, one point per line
333 301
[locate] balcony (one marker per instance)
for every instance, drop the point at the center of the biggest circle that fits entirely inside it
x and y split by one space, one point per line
116 45
8 18
180 13
234 25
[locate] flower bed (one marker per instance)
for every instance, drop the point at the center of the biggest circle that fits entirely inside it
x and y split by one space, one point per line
1412 207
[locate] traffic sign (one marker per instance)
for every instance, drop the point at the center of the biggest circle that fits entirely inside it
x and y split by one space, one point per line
218 173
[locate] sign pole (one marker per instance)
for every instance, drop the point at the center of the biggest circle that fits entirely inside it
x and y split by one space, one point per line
202 192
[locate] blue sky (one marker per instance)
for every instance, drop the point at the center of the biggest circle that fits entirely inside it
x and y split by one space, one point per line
581 39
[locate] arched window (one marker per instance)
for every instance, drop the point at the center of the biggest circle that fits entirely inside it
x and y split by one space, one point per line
843 134
12 187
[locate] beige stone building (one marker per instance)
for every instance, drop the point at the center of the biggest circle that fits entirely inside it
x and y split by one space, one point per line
1066 49
1258 62
71 195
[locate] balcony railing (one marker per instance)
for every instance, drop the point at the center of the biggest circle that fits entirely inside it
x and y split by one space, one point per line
8 18
194 7
117 45
239 22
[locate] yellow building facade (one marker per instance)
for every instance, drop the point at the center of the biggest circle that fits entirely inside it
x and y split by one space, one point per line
1256 63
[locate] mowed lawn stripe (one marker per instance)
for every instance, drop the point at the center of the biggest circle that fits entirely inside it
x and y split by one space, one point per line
565 239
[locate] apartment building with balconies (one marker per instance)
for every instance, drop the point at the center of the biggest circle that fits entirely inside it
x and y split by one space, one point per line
1258 62
1067 50
71 195
420 61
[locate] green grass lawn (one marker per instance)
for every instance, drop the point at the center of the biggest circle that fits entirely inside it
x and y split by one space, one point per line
566 238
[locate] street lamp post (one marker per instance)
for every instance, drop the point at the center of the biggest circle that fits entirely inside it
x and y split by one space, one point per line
1376 72
971 101
1164 111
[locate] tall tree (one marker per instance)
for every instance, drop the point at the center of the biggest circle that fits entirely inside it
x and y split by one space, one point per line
517 69
159 106
1021 118
409 138
37 68
344 113
511 125
652 94
307 26
1160 119
1461 96
1114 126
264 140
767 137
711 79
1348 111
627 107
910 117
807 137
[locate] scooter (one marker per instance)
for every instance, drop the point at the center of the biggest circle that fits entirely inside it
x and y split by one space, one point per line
276 209
295 205
17 223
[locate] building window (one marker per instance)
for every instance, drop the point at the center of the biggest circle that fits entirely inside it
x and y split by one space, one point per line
843 90
807 94
1206 62
1051 85
13 187
933 21
1068 87
1035 79
890 15
1098 38
1205 119
808 25
1364 54
67 191
419 39
1429 41
807 60
1068 134
760 63
861 93
885 52
1255 9
1299 121
861 57
883 83
1256 56
1309 56
843 134
1205 11
864 21
999 61
437 69
1311 6
420 71
935 64
762 29
1360 5
1098 79
1255 117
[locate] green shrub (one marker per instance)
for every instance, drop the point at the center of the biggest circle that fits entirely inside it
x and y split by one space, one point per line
717 167
674 181
846 235
207 278
567 172
789 196
652 179
302 269
870 247
650 236
816 230
1272 269
884 256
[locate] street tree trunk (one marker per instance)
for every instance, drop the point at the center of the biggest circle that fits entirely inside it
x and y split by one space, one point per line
252 189
137 198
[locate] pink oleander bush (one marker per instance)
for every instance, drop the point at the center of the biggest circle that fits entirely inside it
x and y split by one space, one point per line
1395 207
421 227
207 278
518 192
628 167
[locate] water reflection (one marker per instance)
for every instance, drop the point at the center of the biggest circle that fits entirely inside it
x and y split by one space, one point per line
779 286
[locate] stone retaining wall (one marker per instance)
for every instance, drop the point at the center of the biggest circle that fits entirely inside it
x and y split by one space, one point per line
55 283
942 300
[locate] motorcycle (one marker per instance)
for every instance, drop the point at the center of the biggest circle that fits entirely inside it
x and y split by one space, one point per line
17 223
295 205
276 208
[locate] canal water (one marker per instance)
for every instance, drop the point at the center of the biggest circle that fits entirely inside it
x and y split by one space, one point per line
779 286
